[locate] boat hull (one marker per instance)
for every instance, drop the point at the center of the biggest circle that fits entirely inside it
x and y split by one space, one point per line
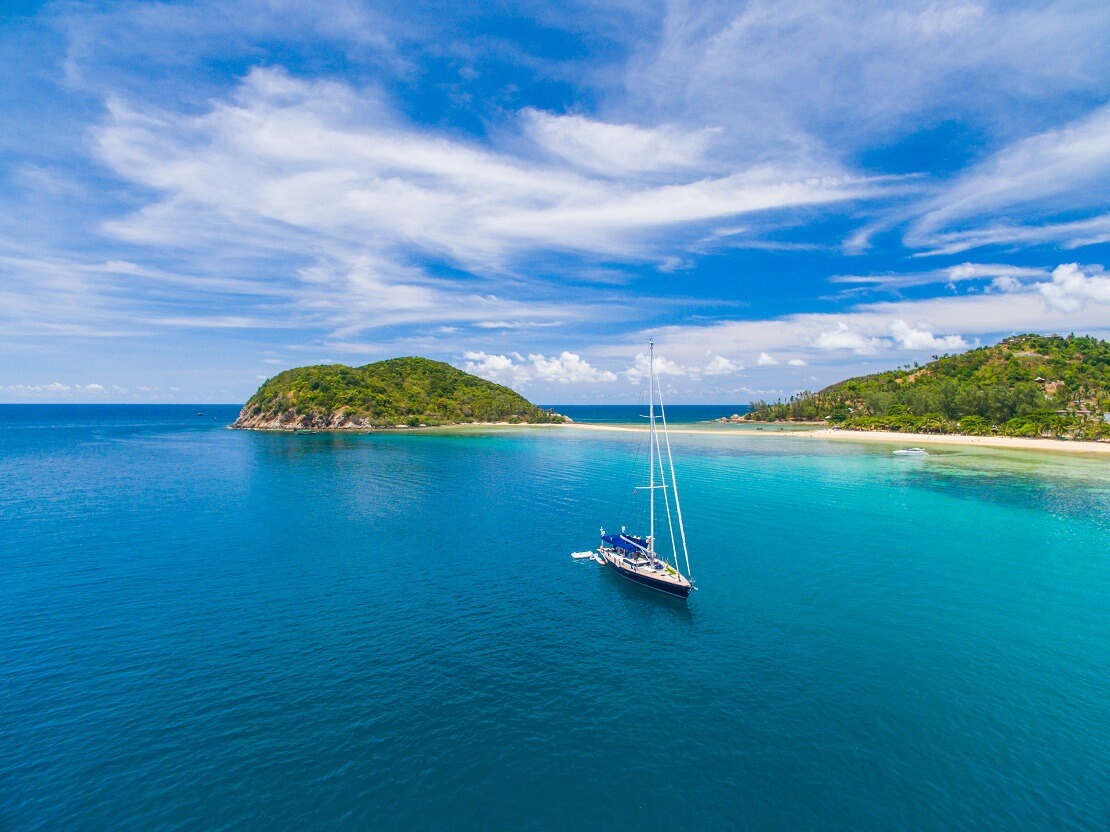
676 590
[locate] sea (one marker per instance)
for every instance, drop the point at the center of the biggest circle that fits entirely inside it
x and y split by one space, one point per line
207 629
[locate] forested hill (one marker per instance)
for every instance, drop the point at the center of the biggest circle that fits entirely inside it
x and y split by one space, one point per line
400 392
1027 385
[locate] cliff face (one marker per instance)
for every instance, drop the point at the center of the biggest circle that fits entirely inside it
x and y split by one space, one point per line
291 420
401 392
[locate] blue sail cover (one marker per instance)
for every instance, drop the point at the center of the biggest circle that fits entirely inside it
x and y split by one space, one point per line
625 542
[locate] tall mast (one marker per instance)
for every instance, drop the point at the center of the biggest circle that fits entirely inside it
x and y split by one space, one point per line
651 443
674 488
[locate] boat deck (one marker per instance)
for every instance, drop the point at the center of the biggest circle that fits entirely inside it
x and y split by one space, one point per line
657 570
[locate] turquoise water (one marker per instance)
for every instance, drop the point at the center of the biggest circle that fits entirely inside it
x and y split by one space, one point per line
212 629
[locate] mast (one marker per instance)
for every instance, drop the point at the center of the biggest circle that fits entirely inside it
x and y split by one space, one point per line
663 483
674 487
651 444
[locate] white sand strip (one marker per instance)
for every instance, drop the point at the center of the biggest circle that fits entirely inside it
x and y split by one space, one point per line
1010 443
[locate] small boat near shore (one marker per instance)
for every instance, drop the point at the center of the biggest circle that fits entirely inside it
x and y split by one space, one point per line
911 452
636 558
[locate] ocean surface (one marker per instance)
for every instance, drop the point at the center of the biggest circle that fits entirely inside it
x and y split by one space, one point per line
634 414
211 629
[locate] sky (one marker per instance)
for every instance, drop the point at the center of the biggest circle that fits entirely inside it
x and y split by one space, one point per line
197 195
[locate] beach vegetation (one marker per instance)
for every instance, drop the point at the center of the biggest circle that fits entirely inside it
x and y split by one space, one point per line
1027 385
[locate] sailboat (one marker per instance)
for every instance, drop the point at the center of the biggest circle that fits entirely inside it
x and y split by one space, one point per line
636 558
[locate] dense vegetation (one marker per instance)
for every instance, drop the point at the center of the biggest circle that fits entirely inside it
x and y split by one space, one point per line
1028 385
398 392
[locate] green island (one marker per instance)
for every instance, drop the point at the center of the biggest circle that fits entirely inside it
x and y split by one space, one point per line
398 393
1026 385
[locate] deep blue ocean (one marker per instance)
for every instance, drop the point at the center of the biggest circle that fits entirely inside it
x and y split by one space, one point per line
211 629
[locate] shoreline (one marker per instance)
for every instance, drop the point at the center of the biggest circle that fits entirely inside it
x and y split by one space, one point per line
1009 443
399 428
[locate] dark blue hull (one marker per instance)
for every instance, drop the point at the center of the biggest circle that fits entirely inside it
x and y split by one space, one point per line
677 590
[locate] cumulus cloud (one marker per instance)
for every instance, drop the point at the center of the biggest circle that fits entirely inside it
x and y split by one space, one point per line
919 338
842 337
565 368
498 368
766 360
718 365
1072 288
1006 283
663 367
1076 298
796 362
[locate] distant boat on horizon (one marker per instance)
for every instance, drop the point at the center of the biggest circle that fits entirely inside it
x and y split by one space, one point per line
636 558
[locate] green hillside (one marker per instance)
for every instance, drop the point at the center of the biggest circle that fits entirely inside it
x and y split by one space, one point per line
397 392
1027 385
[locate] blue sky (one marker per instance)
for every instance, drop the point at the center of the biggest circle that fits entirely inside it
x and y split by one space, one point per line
195 195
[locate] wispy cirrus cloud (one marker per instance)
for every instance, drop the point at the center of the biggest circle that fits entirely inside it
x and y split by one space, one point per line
321 158
1066 169
1068 235
618 150
949 276
812 77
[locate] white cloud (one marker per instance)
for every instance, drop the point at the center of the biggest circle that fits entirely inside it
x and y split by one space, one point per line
797 77
567 368
53 389
1006 283
498 368
950 275
766 360
842 337
663 367
1067 169
718 365
1073 234
293 153
1072 288
796 362
919 338
1075 299
615 149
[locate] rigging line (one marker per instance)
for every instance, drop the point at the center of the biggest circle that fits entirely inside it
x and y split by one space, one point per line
674 486
666 499
630 508
651 441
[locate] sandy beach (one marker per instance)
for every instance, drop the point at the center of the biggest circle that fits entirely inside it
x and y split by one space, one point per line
886 437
